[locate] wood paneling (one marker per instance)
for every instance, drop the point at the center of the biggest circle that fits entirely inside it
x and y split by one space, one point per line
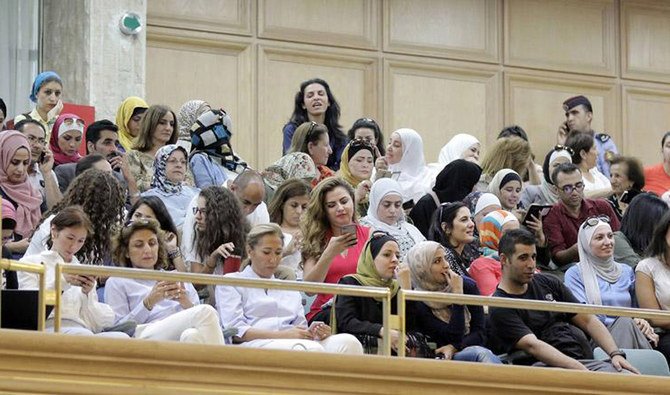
534 101
346 23
222 16
352 79
460 29
564 35
646 117
197 65
440 99
645 42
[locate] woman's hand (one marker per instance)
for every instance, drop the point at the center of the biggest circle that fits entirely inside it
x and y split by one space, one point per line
55 112
320 331
182 297
294 245
362 190
448 351
381 164
224 251
87 283
455 281
297 332
403 275
47 164
339 244
647 330
171 242
163 290
535 225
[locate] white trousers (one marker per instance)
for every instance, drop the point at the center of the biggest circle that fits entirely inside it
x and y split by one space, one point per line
72 328
198 324
342 343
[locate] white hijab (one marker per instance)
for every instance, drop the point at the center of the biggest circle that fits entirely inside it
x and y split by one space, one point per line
592 267
380 189
455 148
414 177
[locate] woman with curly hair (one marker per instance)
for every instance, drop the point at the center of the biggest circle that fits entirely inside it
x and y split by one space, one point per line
102 198
220 231
507 153
332 239
316 103
163 310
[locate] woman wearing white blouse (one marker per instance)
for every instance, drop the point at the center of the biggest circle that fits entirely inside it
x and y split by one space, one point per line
163 310
273 318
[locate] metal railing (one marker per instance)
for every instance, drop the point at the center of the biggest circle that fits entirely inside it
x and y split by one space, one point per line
562 307
209 279
10 264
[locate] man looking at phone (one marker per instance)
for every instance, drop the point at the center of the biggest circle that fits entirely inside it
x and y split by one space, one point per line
561 224
578 117
40 171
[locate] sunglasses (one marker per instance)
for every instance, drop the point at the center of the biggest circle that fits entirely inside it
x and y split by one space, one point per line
560 147
72 121
594 220
365 123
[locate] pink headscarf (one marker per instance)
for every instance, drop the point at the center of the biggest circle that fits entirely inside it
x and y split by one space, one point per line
26 198
59 156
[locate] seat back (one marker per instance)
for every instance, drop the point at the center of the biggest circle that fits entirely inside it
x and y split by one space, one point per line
650 362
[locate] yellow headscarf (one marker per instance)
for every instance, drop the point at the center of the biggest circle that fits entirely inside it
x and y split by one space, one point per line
344 171
366 272
123 115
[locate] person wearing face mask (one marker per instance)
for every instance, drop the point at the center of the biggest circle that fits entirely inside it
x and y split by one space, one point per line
458 331
128 119
452 227
315 102
404 155
356 168
66 137
46 94
386 214
170 168
598 279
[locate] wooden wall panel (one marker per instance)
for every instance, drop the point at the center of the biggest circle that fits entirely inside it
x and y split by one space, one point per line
223 16
645 40
440 99
461 29
534 100
352 79
646 117
347 23
201 66
564 35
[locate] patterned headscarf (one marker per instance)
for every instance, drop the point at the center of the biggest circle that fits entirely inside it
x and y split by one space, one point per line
490 231
123 115
294 165
60 127
160 179
188 114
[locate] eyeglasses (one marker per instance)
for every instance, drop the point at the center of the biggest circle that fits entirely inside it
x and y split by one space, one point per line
33 139
593 221
197 210
568 189
72 121
182 162
559 147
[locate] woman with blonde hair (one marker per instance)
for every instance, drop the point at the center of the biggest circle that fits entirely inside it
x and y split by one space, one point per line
507 153
332 239
312 139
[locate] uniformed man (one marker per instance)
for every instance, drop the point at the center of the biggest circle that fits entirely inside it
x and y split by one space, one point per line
578 117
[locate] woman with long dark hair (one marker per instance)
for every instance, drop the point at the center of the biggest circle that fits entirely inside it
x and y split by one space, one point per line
637 227
452 227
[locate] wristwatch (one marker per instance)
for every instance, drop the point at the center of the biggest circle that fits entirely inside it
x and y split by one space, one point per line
619 352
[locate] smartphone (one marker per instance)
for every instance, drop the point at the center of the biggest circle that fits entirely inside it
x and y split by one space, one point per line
232 264
537 211
314 324
351 228
408 205
42 157
628 195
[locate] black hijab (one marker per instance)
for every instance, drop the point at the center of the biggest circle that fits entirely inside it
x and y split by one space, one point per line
456 180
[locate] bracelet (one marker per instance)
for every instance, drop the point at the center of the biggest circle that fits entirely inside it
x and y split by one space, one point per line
174 254
619 352
146 306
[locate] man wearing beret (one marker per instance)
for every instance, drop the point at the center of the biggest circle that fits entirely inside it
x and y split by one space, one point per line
578 117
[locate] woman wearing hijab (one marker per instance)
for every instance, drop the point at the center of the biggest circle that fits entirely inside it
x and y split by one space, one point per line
452 184
461 146
386 214
128 119
188 114
404 155
458 330
210 134
66 138
486 270
46 93
598 279
14 184
294 165
546 193
356 166
170 169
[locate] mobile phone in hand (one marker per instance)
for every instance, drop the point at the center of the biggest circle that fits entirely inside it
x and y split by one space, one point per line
351 228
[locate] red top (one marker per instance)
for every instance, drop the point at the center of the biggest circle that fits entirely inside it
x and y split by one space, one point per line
561 228
341 266
656 179
487 273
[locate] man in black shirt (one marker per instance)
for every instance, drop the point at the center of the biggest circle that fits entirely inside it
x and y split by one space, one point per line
553 339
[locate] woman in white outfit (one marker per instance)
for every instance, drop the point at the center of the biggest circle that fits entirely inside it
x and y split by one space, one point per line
268 318
81 313
163 310
404 155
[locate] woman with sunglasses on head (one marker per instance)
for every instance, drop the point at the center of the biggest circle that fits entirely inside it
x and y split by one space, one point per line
332 239
459 331
46 94
312 139
598 279
158 128
273 318
152 207
315 102
452 226
358 159
81 313
170 169
367 129
66 136
129 119
546 193
385 214
163 310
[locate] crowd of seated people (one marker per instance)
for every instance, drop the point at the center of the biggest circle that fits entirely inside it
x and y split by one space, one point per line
164 191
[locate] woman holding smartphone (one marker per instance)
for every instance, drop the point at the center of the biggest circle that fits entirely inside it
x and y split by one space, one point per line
332 240
163 310
81 312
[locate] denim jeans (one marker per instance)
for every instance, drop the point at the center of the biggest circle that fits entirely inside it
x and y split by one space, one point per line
476 354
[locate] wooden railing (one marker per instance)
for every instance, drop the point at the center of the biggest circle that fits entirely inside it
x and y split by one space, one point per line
44 297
